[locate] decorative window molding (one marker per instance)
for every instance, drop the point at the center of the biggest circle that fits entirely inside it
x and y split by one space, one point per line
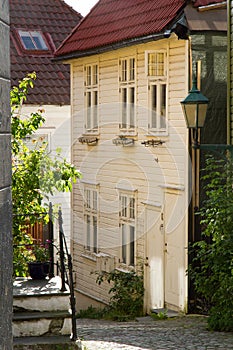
127 89
152 142
89 140
91 93
124 141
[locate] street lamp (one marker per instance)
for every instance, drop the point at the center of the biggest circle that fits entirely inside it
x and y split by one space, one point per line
194 108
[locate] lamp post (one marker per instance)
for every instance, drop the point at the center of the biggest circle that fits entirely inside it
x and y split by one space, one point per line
194 108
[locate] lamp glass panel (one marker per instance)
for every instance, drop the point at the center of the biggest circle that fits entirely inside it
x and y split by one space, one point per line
202 109
190 112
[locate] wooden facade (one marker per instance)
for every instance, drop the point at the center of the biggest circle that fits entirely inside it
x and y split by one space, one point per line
150 169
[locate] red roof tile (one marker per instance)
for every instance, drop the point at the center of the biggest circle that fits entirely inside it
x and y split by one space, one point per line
114 21
55 19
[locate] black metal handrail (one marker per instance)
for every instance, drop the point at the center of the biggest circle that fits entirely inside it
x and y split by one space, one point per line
67 277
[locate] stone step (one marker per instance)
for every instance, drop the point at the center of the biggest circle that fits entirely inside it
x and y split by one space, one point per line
39 295
44 343
35 324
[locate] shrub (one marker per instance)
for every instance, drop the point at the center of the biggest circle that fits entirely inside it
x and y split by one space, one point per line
127 294
212 267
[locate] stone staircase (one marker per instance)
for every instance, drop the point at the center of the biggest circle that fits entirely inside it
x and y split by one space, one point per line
41 312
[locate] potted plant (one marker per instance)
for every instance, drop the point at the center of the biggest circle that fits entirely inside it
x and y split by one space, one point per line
39 265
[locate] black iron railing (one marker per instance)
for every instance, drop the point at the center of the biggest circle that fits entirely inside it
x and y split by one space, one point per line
66 270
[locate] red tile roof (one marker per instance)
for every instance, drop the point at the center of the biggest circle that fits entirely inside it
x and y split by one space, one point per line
55 19
114 21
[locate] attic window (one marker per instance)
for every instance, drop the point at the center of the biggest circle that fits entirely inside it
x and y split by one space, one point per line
32 40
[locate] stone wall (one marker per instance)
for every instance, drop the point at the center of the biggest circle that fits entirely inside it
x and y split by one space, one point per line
5 185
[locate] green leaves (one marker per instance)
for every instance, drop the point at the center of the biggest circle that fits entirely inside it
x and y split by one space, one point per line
36 174
211 268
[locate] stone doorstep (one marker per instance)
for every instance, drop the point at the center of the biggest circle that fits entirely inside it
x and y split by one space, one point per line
27 287
46 302
32 324
44 343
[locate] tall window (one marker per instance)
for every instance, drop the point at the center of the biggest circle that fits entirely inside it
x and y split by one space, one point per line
127 224
127 93
156 68
91 97
91 219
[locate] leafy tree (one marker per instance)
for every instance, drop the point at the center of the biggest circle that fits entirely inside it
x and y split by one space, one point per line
36 174
212 267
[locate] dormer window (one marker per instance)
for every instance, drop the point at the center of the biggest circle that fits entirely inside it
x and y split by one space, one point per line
32 40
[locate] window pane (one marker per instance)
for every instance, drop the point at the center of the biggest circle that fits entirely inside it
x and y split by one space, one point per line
95 74
124 107
163 106
88 97
94 200
132 106
124 70
88 225
123 200
153 106
160 63
39 41
28 43
88 75
132 249
95 109
151 64
124 241
132 68
132 208
95 234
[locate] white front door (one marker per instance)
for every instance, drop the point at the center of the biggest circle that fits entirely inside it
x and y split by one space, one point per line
174 250
154 281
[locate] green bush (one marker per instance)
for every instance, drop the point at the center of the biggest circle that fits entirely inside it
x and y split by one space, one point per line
212 266
127 292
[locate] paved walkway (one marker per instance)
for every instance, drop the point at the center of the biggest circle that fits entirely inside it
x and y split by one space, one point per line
179 333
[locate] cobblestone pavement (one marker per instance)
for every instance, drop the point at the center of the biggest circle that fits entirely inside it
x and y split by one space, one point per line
180 333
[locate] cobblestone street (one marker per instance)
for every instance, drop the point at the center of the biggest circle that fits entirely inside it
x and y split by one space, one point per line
179 333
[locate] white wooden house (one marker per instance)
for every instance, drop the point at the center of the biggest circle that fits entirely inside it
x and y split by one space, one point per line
130 68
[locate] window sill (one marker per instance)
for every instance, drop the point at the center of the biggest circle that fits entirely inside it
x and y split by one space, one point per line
89 255
154 133
128 132
125 268
91 133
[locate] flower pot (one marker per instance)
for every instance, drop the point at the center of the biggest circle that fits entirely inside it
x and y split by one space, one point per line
38 270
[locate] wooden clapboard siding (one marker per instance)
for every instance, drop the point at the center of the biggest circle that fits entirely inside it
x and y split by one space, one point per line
144 169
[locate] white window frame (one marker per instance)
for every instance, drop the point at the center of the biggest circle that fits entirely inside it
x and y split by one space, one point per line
91 94
127 89
127 223
157 91
91 205
32 35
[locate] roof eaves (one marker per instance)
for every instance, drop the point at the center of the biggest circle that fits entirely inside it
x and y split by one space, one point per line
114 46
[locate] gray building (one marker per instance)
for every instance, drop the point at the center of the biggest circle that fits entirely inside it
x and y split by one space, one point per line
5 184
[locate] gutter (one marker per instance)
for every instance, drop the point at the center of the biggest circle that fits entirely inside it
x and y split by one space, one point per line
218 5
116 46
